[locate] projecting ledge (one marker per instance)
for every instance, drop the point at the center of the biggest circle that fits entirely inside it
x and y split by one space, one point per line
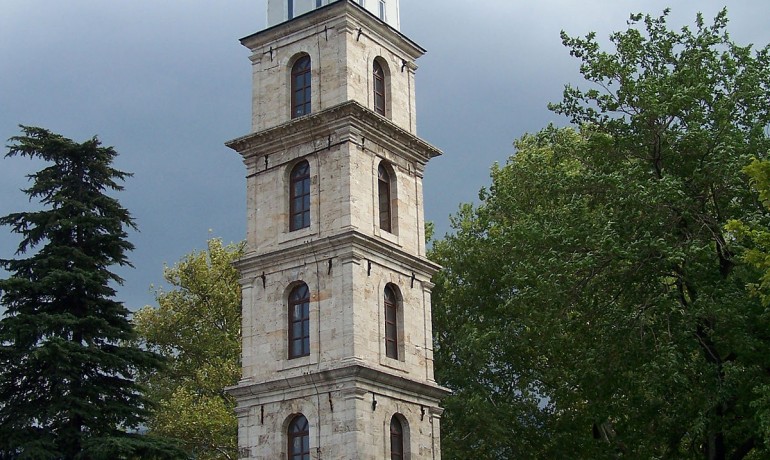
353 374
343 116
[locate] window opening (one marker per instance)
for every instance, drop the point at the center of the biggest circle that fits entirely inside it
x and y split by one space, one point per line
299 322
383 192
291 9
396 439
391 323
382 10
379 88
299 212
318 3
300 87
299 439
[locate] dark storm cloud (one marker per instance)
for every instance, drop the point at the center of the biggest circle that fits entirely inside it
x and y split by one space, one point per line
167 83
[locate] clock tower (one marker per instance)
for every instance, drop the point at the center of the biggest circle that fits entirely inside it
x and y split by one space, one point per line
337 336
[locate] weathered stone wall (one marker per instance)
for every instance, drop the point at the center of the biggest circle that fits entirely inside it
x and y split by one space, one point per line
347 387
346 316
342 50
344 194
346 421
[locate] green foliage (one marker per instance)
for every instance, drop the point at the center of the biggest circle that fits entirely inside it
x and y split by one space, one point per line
197 328
66 373
753 233
592 305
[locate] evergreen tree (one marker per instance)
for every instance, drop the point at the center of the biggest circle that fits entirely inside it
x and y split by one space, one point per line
66 373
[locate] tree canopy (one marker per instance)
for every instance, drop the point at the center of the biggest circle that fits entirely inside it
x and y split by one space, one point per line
66 369
593 304
197 327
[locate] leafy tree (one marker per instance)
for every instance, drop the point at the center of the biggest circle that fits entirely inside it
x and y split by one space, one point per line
592 304
66 387
197 328
753 233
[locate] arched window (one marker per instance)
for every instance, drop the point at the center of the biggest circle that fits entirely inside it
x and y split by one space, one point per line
396 439
299 439
299 322
383 193
300 87
379 88
391 323
299 196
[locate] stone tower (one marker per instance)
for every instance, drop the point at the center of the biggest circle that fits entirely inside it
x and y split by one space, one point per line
337 334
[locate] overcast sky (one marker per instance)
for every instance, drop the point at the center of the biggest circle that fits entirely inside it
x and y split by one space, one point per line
167 83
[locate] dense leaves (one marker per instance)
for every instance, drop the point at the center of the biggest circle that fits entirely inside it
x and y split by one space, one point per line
753 233
593 304
66 373
196 326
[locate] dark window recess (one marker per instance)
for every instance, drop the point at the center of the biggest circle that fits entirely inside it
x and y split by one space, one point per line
299 322
299 439
299 196
396 439
379 88
300 87
383 192
391 323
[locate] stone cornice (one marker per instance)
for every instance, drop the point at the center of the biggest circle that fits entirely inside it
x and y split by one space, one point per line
348 120
351 373
321 16
351 242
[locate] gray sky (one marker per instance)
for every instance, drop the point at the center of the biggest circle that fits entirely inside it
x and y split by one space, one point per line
167 83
